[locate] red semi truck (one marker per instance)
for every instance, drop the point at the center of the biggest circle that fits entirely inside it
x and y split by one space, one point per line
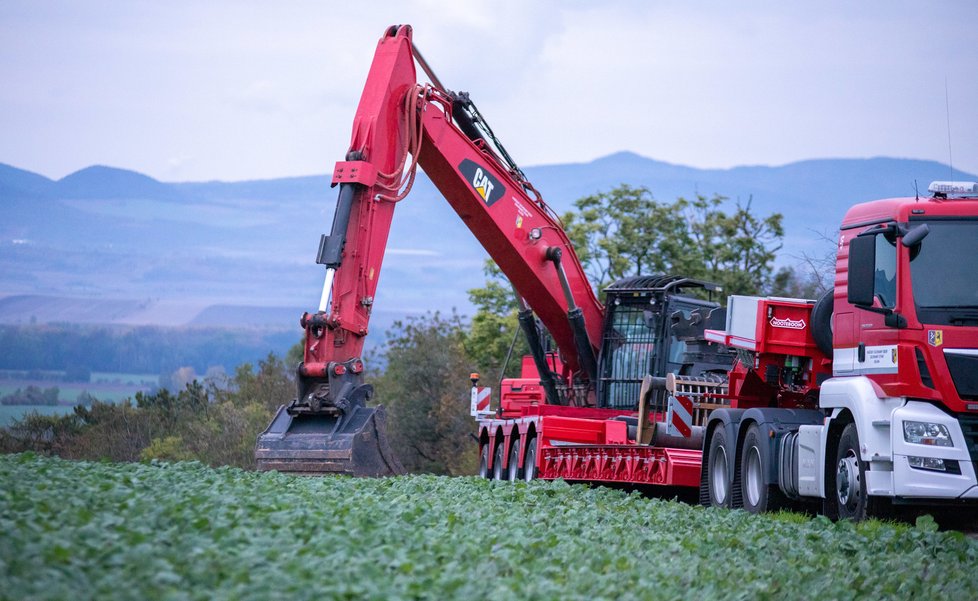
870 393
867 396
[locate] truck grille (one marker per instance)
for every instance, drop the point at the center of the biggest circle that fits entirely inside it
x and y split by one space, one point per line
964 374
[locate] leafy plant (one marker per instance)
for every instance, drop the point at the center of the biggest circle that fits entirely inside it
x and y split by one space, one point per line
186 531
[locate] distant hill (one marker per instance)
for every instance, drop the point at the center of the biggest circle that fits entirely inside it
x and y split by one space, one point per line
17 183
103 182
225 253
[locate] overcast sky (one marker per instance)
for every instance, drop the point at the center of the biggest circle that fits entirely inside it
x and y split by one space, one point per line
191 90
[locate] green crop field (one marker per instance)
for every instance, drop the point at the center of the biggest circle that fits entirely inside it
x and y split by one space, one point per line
185 531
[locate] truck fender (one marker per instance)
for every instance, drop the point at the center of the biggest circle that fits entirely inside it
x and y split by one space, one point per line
869 410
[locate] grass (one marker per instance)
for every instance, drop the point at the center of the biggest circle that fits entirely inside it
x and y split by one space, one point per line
186 531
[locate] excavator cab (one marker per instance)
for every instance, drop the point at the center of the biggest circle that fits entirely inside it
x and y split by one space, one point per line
654 327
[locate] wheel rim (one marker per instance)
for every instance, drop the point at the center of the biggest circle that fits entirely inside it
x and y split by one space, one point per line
718 475
514 461
530 461
497 463
753 478
847 480
484 462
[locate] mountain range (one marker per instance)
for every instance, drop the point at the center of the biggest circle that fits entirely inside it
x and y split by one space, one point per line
108 245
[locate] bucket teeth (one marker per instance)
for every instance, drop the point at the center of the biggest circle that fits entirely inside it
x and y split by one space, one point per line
353 444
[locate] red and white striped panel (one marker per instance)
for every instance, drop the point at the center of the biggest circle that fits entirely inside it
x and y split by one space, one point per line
679 416
480 400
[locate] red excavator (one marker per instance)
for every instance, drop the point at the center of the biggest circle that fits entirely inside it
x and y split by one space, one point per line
401 124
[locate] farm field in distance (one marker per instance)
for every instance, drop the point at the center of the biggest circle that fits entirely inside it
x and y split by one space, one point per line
123 531
104 386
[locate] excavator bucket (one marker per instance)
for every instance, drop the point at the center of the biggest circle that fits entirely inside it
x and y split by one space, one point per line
353 444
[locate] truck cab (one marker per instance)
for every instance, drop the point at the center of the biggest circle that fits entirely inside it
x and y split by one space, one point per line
906 320
888 376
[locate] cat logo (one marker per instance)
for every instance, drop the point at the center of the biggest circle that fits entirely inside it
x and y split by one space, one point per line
935 337
484 183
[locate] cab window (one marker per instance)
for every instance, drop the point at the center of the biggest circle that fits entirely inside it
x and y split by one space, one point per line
885 276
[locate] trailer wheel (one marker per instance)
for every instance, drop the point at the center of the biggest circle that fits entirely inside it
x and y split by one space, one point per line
497 463
530 460
514 461
758 495
849 481
718 469
484 461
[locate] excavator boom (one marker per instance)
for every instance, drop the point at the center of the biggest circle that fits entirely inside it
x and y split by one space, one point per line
400 124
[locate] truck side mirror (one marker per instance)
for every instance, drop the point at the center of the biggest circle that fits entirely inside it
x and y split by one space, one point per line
915 235
862 270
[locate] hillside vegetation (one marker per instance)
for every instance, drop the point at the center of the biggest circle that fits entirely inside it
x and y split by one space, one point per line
186 531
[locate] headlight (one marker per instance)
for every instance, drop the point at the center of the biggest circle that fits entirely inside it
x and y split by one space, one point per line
927 433
927 463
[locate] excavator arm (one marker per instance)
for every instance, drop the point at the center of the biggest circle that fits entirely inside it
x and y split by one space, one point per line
399 125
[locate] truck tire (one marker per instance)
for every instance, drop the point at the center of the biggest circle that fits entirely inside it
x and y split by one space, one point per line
718 469
514 471
848 480
497 463
484 461
757 494
822 322
530 460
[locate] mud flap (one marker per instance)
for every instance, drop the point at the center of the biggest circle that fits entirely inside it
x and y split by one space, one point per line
354 444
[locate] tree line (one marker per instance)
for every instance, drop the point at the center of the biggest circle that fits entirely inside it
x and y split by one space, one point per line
80 349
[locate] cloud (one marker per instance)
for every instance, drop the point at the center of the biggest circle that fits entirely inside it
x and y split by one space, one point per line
256 90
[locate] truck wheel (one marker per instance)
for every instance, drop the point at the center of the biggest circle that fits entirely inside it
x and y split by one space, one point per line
849 481
530 460
758 495
717 469
514 461
484 461
497 463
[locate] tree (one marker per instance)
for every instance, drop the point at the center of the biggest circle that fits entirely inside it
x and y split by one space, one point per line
215 424
626 232
734 250
425 390
495 326
271 386
790 282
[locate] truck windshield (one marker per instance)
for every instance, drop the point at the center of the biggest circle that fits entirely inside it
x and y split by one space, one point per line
945 274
